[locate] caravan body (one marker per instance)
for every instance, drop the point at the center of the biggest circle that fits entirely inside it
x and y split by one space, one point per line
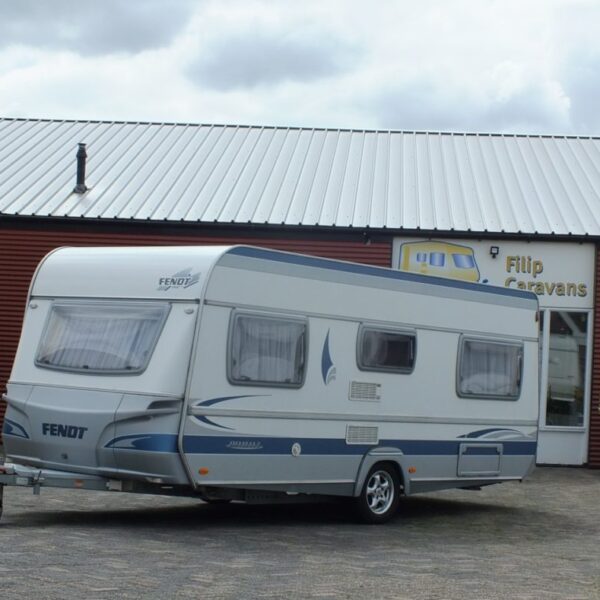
233 371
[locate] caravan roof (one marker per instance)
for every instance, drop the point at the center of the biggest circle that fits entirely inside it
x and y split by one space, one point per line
179 272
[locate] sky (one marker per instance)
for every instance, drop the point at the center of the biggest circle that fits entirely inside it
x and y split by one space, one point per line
505 66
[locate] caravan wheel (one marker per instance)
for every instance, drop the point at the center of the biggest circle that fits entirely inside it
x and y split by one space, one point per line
380 495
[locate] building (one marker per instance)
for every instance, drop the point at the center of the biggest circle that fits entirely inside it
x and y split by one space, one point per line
517 211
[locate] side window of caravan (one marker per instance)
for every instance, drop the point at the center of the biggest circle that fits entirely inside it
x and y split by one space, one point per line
488 369
107 338
386 350
265 350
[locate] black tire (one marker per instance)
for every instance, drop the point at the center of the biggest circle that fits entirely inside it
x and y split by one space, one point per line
380 494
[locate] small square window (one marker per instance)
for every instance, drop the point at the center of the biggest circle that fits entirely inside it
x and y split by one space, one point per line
386 350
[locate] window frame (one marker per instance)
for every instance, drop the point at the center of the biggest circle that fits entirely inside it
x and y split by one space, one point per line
165 309
366 327
235 315
463 339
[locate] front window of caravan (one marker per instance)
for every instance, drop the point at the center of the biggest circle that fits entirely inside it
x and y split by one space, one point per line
490 369
102 338
267 350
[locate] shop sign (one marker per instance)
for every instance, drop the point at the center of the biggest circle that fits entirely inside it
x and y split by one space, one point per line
560 274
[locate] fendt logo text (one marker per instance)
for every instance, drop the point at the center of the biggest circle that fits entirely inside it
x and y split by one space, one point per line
183 279
68 431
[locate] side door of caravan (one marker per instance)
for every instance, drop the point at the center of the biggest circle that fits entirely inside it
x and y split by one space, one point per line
264 405
248 373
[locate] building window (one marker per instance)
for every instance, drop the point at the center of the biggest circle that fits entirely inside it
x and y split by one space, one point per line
101 338
489 369
265 350
386 350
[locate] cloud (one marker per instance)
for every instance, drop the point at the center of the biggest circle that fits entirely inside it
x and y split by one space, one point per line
537 108
249 59
395 64
92 27
431 105
582 86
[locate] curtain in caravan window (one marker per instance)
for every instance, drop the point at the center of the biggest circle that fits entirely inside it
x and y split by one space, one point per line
267 350
490 369
100 338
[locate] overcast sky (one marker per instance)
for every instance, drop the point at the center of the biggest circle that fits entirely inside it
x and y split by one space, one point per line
525 66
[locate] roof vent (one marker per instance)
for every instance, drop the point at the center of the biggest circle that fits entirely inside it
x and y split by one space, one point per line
80 187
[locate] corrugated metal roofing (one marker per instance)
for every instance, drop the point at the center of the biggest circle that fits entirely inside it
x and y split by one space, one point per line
546 185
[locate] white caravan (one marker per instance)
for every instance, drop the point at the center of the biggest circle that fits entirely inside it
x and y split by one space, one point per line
238 373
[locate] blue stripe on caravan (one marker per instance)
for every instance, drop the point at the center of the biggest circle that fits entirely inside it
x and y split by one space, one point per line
149 442
323 263
14 429
196 444
322 446
210 422
483 432
224 398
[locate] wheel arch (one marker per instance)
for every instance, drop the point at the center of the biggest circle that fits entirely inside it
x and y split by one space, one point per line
392 456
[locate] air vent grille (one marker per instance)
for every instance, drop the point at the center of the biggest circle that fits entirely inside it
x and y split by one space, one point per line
360 390
362 434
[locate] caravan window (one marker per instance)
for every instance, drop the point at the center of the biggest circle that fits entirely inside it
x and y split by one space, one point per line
107 338
386 350
266 350
489 369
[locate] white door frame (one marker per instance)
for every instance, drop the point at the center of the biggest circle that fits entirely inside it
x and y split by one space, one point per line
553 439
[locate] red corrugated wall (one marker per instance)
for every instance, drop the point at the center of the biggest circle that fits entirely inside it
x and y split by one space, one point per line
594 447
21 249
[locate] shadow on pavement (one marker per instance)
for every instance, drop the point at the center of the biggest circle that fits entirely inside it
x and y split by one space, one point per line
416 510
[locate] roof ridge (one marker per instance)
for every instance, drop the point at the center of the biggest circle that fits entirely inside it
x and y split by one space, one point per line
306 128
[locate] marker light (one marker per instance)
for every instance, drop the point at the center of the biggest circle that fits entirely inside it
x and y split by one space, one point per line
203 471
412 469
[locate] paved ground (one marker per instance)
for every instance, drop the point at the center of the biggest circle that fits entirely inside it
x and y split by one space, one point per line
539 539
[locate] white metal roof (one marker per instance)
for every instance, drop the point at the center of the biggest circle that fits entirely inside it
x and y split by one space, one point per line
547 185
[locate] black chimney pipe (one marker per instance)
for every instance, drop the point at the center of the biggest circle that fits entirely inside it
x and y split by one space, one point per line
81 188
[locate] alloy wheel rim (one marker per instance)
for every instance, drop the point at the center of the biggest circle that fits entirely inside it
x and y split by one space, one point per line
380 492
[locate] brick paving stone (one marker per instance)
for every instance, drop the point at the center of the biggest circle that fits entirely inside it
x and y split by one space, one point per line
539 539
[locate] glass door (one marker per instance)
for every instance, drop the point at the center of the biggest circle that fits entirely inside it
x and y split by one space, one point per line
565 354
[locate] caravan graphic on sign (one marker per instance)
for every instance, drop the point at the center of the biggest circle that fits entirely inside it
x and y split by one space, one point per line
441 259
